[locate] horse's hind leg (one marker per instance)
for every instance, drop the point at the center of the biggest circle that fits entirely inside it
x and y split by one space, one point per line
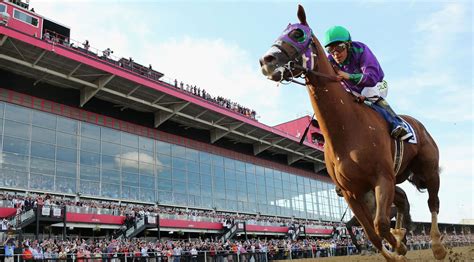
439 251
403 218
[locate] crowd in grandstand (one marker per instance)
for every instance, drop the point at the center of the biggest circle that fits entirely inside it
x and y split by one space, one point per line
25 202
147 72
257 249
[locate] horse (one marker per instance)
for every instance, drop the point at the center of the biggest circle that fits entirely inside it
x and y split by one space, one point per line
358 151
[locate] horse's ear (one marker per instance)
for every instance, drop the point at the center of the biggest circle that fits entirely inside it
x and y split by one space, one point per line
302 15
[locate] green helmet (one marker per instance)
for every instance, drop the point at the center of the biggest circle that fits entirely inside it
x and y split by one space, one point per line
336 34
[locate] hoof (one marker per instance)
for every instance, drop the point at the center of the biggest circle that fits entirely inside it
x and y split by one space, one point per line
439 251
400 258
402 250
399 234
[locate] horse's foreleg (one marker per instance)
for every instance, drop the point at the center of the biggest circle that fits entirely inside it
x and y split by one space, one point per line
365 219
384 196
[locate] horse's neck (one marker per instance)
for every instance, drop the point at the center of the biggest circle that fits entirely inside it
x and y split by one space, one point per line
334 108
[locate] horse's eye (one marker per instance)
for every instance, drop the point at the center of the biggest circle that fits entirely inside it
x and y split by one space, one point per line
298 35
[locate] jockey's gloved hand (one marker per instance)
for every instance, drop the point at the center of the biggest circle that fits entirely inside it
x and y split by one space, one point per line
360 99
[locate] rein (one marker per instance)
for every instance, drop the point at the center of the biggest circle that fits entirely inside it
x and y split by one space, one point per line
293 65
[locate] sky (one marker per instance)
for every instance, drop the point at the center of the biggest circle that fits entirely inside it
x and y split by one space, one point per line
425 49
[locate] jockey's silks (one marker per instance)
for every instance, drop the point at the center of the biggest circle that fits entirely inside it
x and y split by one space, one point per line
360 60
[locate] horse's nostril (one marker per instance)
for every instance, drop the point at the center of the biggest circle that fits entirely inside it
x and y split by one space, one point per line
268 58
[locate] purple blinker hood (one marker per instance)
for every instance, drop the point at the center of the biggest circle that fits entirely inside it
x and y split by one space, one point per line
301 47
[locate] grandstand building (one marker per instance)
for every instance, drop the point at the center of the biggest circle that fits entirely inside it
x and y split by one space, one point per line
81 123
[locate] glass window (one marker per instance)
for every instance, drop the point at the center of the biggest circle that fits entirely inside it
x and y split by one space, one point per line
179 163
217 160
206 190
43 119
194 189
92 188
229 163
192 166
3 8
179 187
17 129
146 157
43 135
16 145
240 176
163 172
204 157
205 169
42 150
110 135
163 148
130 166
42 166
179 174
90 159
218 171
14 161
66 154
17 113
146 143
193 178
66 185
178 151
13 178
129 153
66 140
147 182
147 195
111 149
67 125
163 160
206 179
231 184
165 185
240 166
66 169
111 190
147 169
110 162
89 130
110 176
192 154
229 174
89 173
250 168
180 199
129 179
129 140
165 197
90 145
25 18
130 193
41 182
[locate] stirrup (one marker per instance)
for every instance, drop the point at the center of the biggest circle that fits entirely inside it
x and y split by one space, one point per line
400 133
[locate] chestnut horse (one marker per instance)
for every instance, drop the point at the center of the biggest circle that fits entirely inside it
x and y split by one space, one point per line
358 151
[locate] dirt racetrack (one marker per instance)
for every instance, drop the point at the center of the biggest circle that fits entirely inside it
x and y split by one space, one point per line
454 254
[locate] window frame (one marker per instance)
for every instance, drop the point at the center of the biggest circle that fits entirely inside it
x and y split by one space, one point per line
19 11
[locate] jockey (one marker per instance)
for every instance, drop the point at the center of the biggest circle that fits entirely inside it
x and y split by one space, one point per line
360 72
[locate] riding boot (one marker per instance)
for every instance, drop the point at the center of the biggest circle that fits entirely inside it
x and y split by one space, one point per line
398 130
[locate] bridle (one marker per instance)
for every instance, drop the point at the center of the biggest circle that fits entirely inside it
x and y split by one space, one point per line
297 62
